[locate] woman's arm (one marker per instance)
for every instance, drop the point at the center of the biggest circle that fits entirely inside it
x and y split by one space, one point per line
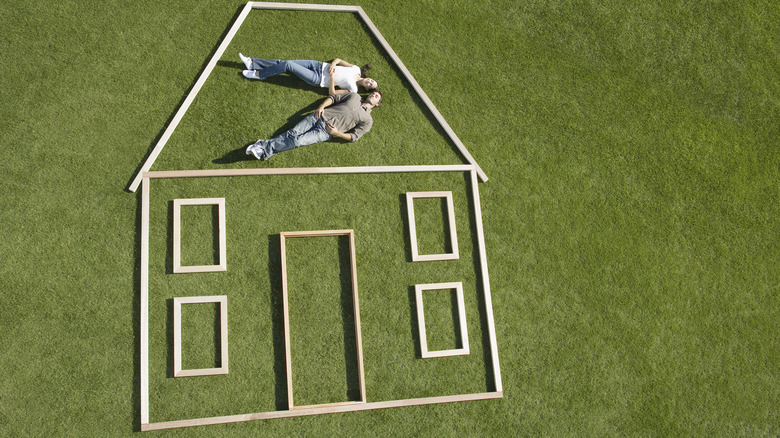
339 61
336 62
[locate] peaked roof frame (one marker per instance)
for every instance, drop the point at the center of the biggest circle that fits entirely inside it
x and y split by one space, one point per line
299 7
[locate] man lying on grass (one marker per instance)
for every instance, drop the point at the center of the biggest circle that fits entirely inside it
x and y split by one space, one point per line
345 116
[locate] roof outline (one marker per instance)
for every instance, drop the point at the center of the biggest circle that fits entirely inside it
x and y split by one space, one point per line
147 164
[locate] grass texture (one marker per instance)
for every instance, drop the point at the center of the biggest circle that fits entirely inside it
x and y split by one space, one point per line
630 217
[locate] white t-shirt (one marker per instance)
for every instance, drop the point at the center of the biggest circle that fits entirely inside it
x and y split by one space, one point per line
343 78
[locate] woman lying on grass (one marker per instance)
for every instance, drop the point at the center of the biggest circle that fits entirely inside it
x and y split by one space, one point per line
346 76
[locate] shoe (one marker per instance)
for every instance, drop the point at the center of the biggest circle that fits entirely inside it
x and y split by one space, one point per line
250 74
246 60
257 151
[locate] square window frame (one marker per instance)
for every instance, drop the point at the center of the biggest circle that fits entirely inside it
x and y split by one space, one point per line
464 336
223 334
416 256
222 265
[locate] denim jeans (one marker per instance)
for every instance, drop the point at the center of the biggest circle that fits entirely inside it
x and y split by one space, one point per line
308 131
309 71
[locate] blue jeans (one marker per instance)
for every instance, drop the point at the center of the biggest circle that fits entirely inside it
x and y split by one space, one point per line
309 71
308 131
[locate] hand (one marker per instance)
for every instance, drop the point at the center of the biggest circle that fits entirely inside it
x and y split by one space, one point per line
332 130
332 68
318 114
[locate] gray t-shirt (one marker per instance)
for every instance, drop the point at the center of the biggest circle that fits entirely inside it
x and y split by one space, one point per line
347 112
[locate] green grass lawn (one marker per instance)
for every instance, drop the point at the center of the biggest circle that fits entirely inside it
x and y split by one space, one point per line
630 217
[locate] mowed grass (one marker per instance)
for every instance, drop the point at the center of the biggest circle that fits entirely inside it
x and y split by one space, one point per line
630 216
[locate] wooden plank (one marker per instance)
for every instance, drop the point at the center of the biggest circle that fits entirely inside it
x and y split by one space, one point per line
286 321
204 173
318 233
144 363
491 324
421 93
327 405
351 407
190 97
303 7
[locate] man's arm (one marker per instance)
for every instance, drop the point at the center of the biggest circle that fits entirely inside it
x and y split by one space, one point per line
321 109
336 133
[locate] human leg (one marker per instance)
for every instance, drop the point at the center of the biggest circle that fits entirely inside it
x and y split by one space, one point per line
309 71
308 131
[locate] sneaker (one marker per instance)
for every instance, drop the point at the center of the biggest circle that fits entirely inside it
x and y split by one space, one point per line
257 151
250 74
246 60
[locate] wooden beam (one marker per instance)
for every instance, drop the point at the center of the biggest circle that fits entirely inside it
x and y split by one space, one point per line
349 407
286 320
491 324
303 7
144 363
204 173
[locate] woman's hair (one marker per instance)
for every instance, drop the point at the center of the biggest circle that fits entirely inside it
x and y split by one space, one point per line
364 70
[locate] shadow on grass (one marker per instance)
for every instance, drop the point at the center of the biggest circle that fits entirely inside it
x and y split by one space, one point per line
277 321
348 321
235 156
405 219
169 336
414 327
456 322
169 240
